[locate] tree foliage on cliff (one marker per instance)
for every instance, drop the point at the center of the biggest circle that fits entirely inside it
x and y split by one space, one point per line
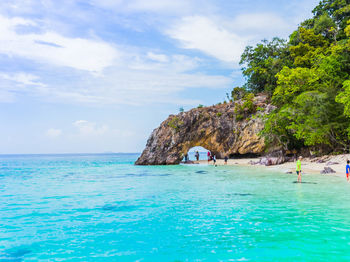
307 78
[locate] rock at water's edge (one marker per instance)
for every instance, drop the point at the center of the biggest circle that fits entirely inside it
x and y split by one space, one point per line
214 128
327 170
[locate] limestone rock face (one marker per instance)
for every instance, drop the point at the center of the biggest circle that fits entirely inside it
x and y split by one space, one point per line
214 128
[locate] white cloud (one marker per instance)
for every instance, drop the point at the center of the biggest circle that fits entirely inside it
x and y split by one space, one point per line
198 32
87 128
160 6
137 81
141 82
129 75
139 88
53 132
157 57
260 25
13 83
53 48
28 85
225 39
92 130
137 77
23 79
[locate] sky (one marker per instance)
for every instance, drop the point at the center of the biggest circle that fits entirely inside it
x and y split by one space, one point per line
95 76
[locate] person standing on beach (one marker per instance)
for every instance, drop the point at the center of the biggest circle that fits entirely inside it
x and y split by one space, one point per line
299 169
214 160
197 156
226 158
347 170
186 158
208 156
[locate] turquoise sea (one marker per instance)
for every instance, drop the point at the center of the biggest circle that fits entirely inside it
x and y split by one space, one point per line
103 208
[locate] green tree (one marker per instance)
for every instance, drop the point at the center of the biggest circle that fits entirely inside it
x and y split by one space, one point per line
338 10
308 95
325 26
307 78
292 82
245 106
238 93
318 120
344 98
305 46
276 131
261 64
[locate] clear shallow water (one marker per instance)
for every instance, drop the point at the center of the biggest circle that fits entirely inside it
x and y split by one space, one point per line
103 208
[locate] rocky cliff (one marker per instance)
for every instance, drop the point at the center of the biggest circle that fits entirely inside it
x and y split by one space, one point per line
217 128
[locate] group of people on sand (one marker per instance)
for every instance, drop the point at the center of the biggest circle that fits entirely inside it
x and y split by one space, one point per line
212 157
298 169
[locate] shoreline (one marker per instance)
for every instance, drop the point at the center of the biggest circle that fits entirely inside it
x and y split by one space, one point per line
308 165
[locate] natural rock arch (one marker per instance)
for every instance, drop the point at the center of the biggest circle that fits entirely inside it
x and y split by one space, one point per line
214 128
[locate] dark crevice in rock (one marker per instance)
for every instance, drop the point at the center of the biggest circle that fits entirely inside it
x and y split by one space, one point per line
240 156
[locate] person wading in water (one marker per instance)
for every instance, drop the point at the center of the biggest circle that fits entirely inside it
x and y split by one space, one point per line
298 169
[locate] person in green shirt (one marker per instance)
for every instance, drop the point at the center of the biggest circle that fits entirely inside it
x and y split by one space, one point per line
299 169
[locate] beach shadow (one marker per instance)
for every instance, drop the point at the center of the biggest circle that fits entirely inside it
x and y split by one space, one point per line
19 252
296 182
136 175
201 172
163 175
14 255
11 259
240 194
69 174
119 208
144 175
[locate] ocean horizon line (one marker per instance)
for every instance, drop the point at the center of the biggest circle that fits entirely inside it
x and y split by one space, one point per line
80 154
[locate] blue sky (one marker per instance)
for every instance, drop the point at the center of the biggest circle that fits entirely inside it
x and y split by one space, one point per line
100 75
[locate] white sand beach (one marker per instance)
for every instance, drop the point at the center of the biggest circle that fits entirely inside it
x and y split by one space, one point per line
308 165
